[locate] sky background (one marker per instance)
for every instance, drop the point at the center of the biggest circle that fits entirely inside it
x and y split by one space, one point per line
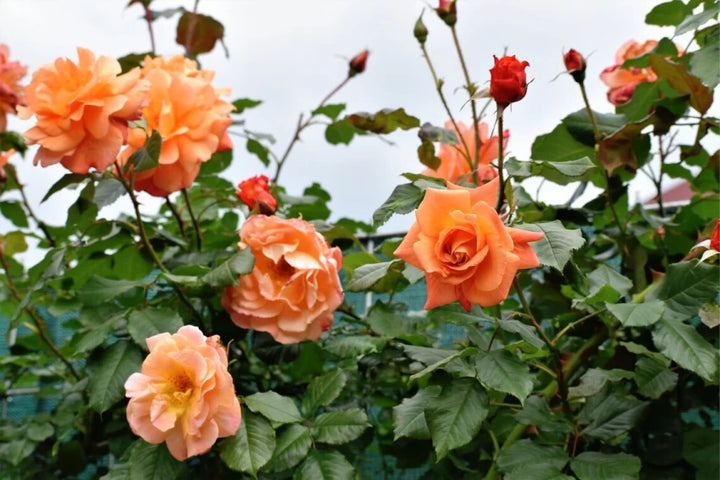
291 53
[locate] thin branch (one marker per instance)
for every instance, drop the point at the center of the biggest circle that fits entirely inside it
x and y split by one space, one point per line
198 233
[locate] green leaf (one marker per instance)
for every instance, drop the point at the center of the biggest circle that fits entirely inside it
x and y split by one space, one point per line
99 290
637 314
323 390
537 412
368 275
107 382
14 212
562 173
409 417
608 415
456 414
339 427
431 133
701 97
581 127
228 273
152 462
644 95
606 466
37 432
604 276
426 155
273 406
686 287
13 242
19 449
67 179
694 21
331 111
404 199
251 447
143 324
501 371
292 445
384 321
107 191
526 452
242 104
384 121
324 465
526 332
594 380
559 145
684 345
354 346
452 357
556 247
700 449
340 131
668 13
654 379
537 472
147 157
259 150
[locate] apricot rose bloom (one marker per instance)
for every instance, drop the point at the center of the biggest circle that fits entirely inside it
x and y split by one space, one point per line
10 90
188 113
455 168
623 81
184 395
465 250
82 111
294 288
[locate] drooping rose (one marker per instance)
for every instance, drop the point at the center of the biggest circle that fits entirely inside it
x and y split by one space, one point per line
188 113
82 111
455 168
358 62
623 81
10 90
294 288
575 65
254 192
465 250
184 395
508 82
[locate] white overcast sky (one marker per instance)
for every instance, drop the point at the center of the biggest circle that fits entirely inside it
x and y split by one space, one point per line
290 53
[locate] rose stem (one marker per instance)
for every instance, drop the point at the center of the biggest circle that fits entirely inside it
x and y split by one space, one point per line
175 214
29 209
501 153
198 233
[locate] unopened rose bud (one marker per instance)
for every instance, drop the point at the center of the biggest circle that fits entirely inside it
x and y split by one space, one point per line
575 65
715 237
447 11
357 63
420 31
255 193
508 83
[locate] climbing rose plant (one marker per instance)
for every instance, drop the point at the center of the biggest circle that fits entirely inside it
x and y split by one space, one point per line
235 332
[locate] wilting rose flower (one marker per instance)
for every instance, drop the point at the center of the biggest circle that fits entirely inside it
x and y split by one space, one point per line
358 62
255 192
465 250
82 111
575 64
10 90
508 83
184 395
192 119
622 81
294 288
455 168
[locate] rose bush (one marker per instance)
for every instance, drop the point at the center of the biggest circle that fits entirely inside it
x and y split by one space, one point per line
502 336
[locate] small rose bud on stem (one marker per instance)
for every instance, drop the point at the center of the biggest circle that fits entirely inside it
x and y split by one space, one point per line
447 11
575 65
357 63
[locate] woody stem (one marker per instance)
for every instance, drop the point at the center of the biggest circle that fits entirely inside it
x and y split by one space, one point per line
501 153
198 233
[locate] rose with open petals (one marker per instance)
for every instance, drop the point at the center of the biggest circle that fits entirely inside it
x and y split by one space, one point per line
10 90
184 395
465 250
82 111
294 288
192 119
623 81
454 166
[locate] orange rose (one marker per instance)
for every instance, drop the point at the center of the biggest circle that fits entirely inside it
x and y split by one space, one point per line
255 192
10 91
184 395
82 111
189 115
465 250
454 167
294 287
622 81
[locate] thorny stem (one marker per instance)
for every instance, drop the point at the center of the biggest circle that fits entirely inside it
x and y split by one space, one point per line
149 20
175 214
302 125
438 87
471 92
29 209
39 323
572 325
501 155
198 233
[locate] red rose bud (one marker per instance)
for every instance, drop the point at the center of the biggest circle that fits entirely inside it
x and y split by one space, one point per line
575 65
254 192
357 64
508 83
447 11
420 31
715 237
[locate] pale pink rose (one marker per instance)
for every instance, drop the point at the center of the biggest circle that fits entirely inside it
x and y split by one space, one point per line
184 395
294 287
